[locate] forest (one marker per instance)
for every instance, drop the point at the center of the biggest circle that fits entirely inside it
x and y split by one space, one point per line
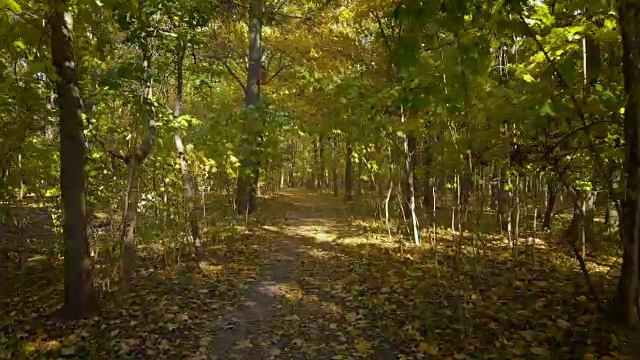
319 179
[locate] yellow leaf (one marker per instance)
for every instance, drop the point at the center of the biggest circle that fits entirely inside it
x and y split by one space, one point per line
363 346
563 324
538 351
245 344
68 351
428 348
352 317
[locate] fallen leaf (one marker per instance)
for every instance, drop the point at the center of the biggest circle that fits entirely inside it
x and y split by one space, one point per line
245 344
362 346
428 348
538 351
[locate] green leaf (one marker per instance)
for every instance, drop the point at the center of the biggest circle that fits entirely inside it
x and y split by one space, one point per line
547 110
19 44
11 5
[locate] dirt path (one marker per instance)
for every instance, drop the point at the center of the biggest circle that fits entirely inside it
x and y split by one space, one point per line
279 317
310 281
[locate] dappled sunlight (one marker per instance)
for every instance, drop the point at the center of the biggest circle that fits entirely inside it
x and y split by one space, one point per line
312 283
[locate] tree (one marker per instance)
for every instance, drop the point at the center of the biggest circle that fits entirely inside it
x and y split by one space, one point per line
78 282
249 171
627 300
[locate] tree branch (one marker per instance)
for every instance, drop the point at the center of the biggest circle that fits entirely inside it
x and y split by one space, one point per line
229 70
594 153
87 109
281 67
382 32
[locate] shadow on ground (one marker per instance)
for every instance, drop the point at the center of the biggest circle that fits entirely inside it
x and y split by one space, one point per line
308 281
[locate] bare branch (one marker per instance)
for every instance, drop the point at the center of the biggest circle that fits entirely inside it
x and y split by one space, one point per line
382 32
112 153
281 67
229 70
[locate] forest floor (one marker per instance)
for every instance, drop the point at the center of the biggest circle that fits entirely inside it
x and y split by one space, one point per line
308 280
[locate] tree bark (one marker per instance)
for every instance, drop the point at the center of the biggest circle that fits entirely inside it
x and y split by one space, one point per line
249 171
348 173
427 162
551 201
316 164
135 161
410 189
626 301
335 166
503 198
188 182
78 285
323 177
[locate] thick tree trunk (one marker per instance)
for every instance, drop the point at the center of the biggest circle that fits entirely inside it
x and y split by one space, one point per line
249 172
135 161
188 182
348 173
78 285
626 301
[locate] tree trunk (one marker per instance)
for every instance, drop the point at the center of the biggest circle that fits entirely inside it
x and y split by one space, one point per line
188 182
78 285
359 178
316 164
551 201
589 209
292 165
410 196
249 171
335 167
626 301
503 197
128 257
427 162
348 173
323 177
135 161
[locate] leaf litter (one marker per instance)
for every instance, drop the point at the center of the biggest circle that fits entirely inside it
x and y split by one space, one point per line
312 283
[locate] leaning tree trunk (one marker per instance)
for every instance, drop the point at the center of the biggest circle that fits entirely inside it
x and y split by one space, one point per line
134 164
188 182
626 301
78 286
249 168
